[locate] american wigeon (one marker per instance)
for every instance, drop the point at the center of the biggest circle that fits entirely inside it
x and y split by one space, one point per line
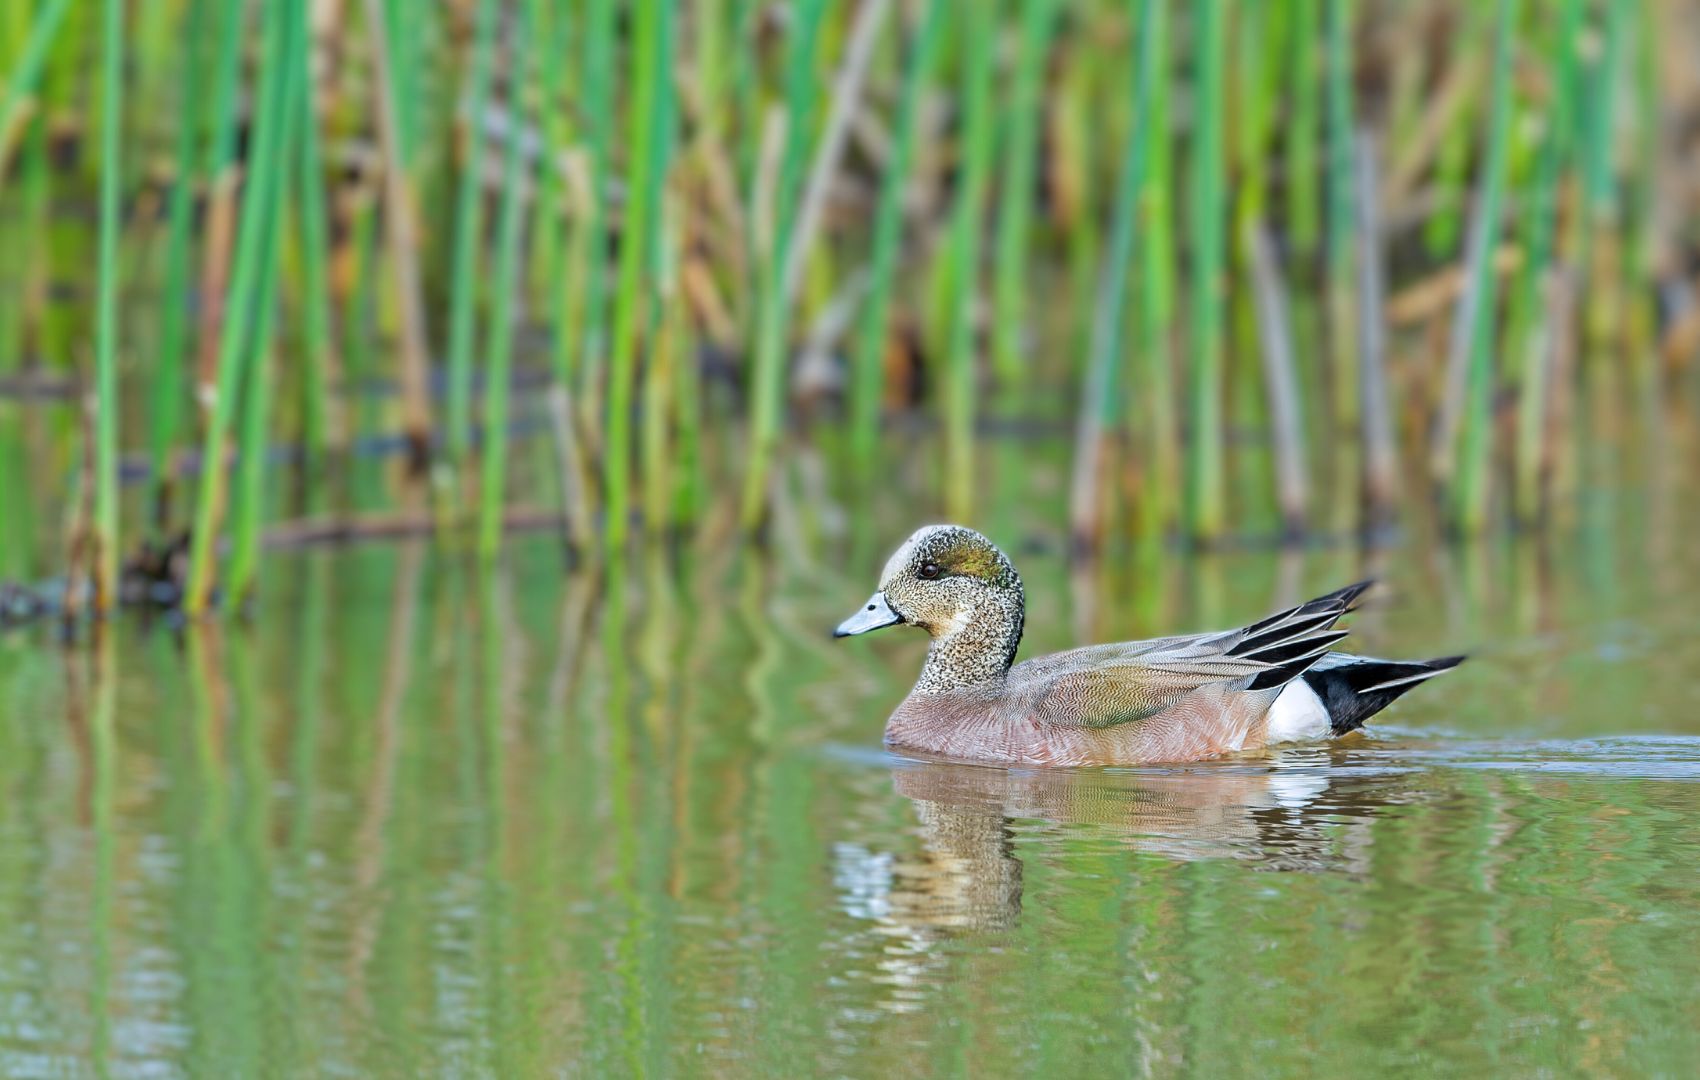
1172 699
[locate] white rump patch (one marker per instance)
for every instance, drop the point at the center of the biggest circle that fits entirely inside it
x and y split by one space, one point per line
1298 715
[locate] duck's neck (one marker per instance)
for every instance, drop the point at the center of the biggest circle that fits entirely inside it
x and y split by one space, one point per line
973 651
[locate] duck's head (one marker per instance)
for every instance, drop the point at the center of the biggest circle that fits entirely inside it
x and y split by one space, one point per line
956 585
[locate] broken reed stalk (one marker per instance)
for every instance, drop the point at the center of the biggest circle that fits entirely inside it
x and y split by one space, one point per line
19 104
469 237
1205 495
1280 380
846 99
401 232
965 247
223 172
1098 399
105 561
867 375
667 329
1017 196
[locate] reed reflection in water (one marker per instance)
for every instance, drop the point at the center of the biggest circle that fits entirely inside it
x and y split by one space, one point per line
420 819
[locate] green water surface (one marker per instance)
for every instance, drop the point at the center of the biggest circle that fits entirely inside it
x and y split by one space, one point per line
414 820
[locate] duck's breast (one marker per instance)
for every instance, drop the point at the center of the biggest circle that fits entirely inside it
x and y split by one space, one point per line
960 724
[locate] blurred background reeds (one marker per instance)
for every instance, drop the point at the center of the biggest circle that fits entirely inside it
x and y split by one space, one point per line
1313 271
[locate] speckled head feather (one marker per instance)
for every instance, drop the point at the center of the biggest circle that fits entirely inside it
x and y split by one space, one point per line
955 584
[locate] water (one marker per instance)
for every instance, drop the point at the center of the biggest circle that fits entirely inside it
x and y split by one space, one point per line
408 823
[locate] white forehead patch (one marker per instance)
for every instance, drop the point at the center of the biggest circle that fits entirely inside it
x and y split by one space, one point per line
900 558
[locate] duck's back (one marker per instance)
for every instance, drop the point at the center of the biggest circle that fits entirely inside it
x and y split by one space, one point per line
1169 699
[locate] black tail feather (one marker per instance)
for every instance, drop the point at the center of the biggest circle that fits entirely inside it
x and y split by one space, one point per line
1291 641
1355 688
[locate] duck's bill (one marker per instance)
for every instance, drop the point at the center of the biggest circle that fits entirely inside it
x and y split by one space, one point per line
874 614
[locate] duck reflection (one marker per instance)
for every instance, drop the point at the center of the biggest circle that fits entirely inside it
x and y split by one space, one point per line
1285 811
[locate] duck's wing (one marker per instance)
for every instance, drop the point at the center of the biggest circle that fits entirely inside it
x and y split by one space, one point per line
1104 686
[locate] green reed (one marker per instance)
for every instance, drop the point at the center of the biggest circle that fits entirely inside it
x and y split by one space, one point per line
1205 503
650 112
1016 197
1099 399
962 350
589 261
1535 284
1304 200
468 236
167 401
773 305
319 353
1476 431
248 503
106 328
505 292
234 347
19 103
688 305
867 374
1154 418
1342 313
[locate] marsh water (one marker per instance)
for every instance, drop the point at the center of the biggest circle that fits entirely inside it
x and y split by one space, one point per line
414 820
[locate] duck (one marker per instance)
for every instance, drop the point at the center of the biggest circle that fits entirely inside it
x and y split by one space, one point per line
1170 700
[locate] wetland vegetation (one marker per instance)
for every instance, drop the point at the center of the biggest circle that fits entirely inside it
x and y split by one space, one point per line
484 409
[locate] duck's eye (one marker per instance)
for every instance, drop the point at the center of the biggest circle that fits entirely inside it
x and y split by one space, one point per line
929 571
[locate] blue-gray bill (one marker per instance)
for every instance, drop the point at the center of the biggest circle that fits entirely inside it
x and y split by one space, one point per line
874 614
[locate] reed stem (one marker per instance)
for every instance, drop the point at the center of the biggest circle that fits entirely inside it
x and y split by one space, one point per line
1098 396
867 386
168 387
18 105
234 331
768 377
105 561
1017 195
1476 437
505 290
468 237
962 353
319 357
1205 495
651 88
